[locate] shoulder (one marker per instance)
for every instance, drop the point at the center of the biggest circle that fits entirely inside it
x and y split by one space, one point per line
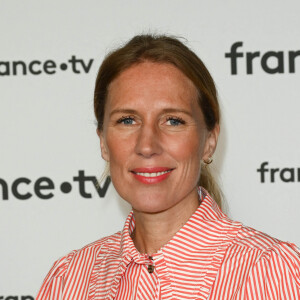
258 266
250 240
84 261
94 251
267 262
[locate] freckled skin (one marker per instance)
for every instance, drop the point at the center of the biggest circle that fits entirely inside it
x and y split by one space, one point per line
141 129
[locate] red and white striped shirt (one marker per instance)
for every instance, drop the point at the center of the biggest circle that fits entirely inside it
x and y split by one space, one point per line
210 257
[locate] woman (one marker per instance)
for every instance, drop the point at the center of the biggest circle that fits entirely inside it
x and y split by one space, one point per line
158 123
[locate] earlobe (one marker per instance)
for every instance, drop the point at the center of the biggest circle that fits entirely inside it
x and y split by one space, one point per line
103 146
211 143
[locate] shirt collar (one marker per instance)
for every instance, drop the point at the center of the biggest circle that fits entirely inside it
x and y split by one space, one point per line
211 231
207 212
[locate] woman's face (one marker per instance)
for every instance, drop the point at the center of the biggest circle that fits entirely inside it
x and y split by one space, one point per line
154 136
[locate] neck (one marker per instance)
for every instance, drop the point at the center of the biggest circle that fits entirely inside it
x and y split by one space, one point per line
154 230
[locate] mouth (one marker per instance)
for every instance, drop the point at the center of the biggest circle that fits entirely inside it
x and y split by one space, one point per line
151 175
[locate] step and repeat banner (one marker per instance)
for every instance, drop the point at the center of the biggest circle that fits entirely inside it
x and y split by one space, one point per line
50 156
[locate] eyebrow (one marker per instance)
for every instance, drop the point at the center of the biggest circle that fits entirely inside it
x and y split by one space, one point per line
164 111
124 111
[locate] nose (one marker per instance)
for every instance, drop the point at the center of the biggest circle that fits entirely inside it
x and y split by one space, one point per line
148 141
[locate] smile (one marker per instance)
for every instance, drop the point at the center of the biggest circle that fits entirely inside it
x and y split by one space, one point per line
151 175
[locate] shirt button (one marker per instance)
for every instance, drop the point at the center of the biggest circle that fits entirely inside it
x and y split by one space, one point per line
150 268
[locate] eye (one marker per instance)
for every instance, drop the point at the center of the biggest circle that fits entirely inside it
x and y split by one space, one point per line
175 121
129 120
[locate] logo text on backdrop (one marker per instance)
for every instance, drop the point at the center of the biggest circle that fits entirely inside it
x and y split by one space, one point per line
50 67
272 62
268 174
16 298
23 188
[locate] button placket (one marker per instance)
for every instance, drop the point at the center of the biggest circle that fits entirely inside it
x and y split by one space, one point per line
163 276
151 266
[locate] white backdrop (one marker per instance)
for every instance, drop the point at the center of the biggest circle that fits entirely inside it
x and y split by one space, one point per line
49 55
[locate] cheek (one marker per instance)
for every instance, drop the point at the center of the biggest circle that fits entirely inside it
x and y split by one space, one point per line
186 148
119 148
188 154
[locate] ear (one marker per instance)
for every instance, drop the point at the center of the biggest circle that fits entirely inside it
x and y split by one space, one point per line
211 143
103 146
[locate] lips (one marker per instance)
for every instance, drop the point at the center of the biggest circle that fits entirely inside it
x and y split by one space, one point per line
151 175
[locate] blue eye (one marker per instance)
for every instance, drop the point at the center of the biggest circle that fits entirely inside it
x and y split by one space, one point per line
175 121
126 121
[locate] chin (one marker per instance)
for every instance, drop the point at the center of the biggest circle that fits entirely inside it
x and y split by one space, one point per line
150 204
149 209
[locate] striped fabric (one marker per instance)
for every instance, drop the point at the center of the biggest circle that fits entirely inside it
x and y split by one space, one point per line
210 257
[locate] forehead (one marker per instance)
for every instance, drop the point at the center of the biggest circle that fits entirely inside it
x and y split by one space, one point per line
156 80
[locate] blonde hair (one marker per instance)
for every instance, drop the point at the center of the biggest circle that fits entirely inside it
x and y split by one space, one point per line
162 49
